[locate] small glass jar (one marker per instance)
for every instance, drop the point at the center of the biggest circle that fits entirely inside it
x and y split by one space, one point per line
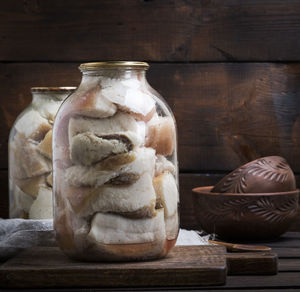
115 167
30 155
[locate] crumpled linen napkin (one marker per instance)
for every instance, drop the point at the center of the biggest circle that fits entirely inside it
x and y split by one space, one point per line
192 237
18 234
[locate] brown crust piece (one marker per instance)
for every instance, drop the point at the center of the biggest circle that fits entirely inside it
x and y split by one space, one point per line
144 212
124 179
88 148
122 138
49 179
31 186
115 162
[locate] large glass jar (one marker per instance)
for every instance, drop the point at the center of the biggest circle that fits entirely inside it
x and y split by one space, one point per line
30 155
115 167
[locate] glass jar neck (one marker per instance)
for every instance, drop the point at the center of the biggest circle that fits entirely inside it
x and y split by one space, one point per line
113 73
51 94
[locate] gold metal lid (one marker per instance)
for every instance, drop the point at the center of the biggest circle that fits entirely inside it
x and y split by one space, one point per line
113 64
53 89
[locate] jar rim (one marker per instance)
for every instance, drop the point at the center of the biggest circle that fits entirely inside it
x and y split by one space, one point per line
52 89
113 64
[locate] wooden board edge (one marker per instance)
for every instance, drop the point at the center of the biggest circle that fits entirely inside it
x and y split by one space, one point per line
267 263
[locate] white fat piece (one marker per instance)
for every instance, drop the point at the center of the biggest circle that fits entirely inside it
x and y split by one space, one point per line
47 107
93 104
128 95
162 165
141 131
115 229
167 193
28 162
118 123
87 148
42 207
32 125
144 162
96 175
139 196
21 202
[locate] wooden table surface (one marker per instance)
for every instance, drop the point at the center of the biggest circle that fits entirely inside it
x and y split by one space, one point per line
288 277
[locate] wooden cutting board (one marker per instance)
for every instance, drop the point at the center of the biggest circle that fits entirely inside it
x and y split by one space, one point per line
184 266
49 267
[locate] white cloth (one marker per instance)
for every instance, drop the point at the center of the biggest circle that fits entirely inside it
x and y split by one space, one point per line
191 237
18 234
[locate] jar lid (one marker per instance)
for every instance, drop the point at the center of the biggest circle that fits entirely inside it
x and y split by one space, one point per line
113 64
53 89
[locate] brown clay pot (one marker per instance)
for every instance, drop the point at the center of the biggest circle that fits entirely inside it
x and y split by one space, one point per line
253 216
264 175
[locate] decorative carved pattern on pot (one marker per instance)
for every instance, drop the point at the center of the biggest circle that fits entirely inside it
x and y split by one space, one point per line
270 210
264 175
266 208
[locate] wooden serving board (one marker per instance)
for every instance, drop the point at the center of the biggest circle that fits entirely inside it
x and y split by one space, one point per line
49 267
184 266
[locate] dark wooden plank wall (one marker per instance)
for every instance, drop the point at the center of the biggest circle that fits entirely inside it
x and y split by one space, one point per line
228 69
177 30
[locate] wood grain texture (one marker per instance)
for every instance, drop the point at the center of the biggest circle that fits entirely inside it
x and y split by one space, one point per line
286 265
249 263
181 30
287 252
37 267
288 278
199 261
280 281
227 114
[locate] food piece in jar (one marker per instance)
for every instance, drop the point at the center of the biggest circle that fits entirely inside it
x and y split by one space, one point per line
128 164
28 162
139 116
21 203
138 198
129 97
161 135
32 125
124 179
64 230
46 107
31 185
116 229
49 179
118 123
172 226
144 162
45 146
42 206
93 104
99 173
141 131
162 164
88 148
166 192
